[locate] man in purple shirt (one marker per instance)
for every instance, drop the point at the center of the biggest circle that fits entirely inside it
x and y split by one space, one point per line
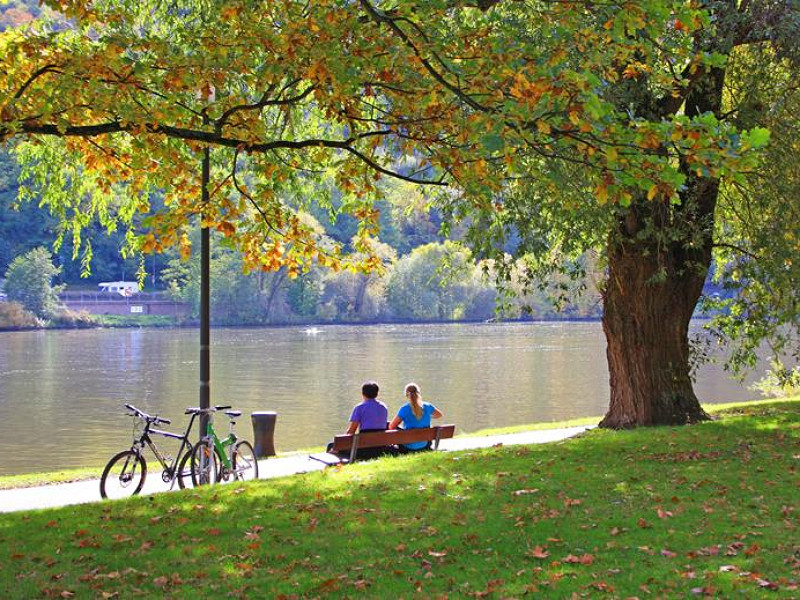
371 414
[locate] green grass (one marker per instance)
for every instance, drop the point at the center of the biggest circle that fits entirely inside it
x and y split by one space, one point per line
8 482
135 320
709 510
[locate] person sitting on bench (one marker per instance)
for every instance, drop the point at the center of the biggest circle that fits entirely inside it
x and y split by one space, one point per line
369 415
413 415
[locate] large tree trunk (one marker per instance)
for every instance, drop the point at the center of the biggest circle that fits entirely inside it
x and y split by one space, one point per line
658 259
648 304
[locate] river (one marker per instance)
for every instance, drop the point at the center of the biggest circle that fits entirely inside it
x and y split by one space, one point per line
61 392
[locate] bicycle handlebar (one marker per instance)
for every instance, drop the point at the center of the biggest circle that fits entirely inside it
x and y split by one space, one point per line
144 416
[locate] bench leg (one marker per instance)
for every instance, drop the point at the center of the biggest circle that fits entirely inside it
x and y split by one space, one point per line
354 449
438 437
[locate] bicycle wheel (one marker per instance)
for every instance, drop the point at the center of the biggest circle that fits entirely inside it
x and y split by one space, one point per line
245 464
184 475
205 465
123 476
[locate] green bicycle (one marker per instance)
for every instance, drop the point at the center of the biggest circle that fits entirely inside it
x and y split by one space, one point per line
214 459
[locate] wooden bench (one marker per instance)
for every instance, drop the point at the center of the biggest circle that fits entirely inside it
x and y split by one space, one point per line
376 439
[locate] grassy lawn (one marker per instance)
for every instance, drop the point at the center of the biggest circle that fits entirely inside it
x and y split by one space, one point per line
711 510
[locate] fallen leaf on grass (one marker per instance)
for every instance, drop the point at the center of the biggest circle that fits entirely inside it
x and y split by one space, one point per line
668 553
160 581
525 491
663 514
537 552
752 549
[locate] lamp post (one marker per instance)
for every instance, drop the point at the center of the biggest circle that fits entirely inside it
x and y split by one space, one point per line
205 271
205 303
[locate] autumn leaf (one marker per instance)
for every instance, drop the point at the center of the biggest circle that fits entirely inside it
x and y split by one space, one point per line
538 552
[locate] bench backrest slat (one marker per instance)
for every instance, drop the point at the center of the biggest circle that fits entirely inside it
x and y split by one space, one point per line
373 439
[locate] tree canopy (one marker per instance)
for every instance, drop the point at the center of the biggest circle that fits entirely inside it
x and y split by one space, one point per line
556 126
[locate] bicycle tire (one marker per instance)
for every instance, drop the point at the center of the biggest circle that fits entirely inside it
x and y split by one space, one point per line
206 464
184 474
245 463
129 481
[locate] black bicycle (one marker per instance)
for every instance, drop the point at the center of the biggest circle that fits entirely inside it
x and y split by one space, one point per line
125 473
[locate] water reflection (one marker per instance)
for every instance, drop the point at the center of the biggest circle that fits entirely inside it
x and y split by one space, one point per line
61 392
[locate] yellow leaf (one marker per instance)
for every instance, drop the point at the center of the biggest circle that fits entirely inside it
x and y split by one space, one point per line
601 191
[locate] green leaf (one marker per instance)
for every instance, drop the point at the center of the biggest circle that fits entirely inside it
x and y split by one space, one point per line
493 142
758 137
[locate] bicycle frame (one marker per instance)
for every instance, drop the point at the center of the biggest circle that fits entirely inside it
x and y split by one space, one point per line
222 446
170 469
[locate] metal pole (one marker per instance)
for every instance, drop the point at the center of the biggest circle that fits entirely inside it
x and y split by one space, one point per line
205 304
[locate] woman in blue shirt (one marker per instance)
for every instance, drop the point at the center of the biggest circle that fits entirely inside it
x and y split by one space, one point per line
414 415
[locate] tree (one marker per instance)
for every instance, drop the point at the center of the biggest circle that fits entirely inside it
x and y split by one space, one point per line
671 103
625 128
436 282
29 281
558 127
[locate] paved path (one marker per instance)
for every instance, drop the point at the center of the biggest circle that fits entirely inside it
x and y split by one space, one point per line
81 492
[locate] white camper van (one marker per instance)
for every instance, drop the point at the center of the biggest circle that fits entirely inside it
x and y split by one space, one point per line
123 288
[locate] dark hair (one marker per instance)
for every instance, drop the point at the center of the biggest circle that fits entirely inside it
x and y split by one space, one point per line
370 389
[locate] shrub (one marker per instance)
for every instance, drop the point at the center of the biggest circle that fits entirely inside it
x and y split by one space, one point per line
29 281
71 318
14 316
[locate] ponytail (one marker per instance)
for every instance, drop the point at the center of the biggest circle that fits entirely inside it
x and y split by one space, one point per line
415 399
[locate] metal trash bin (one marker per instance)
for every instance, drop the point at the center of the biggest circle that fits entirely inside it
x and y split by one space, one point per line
264 433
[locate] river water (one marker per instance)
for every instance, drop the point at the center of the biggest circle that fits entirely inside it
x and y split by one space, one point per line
61 392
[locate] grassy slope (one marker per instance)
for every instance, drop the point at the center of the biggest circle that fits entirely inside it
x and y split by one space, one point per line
710 509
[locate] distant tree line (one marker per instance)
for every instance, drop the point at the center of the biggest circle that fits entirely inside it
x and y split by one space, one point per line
425 278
